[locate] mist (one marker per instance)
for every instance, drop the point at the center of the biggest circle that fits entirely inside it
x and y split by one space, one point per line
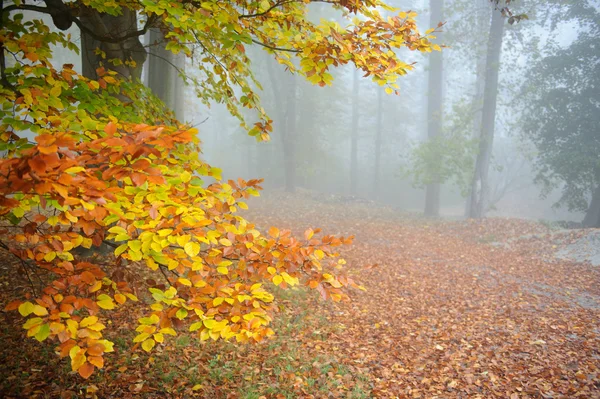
315 127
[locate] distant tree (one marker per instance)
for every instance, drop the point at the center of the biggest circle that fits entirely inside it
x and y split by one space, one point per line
435 108
480 182
354 134
562 117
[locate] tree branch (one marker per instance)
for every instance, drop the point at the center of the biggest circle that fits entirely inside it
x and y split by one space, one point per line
107 38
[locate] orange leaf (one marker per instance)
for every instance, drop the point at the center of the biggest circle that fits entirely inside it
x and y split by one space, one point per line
274 232
86 370
12 306
97 361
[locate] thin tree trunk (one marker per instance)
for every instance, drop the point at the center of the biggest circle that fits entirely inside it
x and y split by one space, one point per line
378 134
482 21
480 184
435 106
279 123
289 154
354 137
164 70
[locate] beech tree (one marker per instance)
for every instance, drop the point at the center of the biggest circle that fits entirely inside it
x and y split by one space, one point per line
111 165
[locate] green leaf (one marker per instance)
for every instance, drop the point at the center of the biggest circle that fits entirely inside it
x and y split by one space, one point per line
43 332
181 314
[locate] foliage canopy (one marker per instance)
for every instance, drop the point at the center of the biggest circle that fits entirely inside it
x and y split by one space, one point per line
109 165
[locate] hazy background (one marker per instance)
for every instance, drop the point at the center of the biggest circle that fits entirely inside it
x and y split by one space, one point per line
320 121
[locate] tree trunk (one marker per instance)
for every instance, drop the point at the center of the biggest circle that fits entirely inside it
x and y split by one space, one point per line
592 216
289 154
115 26
480 184
378 134
164 70
482 21
354 137
435 112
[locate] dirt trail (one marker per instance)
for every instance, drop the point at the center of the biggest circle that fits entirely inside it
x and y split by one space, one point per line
449 315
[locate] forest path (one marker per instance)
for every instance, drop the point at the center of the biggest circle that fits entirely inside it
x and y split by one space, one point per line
458 309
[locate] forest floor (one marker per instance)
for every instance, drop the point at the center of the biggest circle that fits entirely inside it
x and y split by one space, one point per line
496 308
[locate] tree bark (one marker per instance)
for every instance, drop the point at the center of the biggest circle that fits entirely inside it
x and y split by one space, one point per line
483 20
128 49
592 216
435 112
480 184
378 134
354 137
164 70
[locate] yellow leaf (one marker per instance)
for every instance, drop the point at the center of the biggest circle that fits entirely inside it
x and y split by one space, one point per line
192 248
184 281
197 387
107 304
196 326
158 337
225 242
40 310
389 90
88 321
271 270
277 280
34 321
26 308
168 331
289 279
182 240
148 344
95 287
223 270
75 169
218 301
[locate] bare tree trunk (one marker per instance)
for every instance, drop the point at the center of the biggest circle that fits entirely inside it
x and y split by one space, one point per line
164 69
435 106
354 137
482 21
279 121
289 154
378 134
480 184
115 26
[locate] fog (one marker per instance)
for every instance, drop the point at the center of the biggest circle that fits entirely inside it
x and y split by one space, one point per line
322 127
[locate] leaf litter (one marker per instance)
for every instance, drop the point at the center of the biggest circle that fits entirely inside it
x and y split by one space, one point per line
453 309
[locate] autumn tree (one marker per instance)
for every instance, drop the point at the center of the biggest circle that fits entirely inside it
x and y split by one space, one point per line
110 165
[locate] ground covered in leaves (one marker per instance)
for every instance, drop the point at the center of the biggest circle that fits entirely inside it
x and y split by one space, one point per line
453 309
